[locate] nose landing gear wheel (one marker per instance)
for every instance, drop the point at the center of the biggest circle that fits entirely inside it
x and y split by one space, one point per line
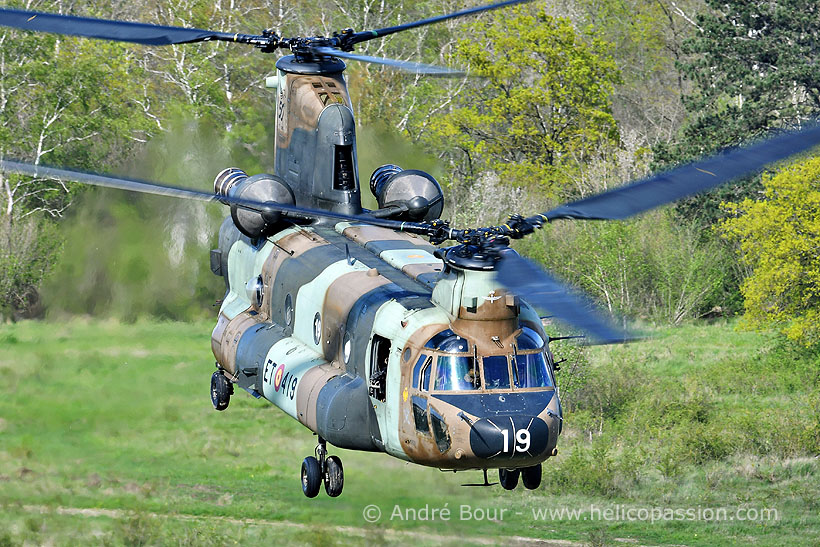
221 390
531 477
508 478
311 477
334 476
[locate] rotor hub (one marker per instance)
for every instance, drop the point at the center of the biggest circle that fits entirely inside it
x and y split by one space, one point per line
467 256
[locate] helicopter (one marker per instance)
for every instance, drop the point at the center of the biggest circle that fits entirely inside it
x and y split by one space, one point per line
358 323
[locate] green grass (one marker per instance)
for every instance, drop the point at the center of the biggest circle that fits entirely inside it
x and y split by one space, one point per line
107 436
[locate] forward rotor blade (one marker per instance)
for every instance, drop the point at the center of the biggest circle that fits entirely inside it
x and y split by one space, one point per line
407 66
378 33
133 185
566 304
121 31
687 180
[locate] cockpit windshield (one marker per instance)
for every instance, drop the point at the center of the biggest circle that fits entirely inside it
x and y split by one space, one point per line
455 364
456 373
496 372
530 370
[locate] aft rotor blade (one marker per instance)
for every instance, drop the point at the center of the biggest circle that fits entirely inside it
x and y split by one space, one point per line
121 31
564 303
145 187
378 33
407 66
687 180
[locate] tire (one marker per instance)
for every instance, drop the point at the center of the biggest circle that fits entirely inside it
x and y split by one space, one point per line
531 477
311 477
221 390
508 478
334 476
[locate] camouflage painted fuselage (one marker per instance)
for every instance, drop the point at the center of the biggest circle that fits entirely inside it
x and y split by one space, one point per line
333 324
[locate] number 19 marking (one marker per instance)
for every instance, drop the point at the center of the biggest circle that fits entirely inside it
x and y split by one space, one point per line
522 440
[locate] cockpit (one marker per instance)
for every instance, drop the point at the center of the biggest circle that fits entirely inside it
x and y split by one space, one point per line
451 363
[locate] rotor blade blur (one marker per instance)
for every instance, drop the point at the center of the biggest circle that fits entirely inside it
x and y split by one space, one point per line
121 31
407 66
687 180
564 303
145 187
378 33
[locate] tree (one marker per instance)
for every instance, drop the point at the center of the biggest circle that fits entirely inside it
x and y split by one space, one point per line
539 107
779 238
753 69
61 102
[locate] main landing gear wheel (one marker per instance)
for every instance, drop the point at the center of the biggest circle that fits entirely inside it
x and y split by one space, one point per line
334 476
322 469
531 477
311 476
508 478
221 390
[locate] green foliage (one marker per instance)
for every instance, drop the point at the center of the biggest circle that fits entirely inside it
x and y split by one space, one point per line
646 40
753 69
778 238
542 107
132 256
28 249
648 267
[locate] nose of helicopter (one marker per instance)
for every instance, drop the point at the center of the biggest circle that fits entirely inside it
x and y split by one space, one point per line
509 438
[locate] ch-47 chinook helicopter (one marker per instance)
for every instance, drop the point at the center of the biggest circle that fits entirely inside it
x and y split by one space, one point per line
351 321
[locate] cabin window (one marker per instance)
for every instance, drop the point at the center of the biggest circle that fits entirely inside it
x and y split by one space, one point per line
530 370
496 372
456 373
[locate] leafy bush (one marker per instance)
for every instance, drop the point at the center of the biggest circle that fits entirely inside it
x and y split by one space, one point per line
28 248
778 238
647 267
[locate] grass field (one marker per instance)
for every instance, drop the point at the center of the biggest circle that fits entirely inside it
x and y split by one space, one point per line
107 436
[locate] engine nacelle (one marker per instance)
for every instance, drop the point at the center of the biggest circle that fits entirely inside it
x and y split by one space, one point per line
417 192
235 183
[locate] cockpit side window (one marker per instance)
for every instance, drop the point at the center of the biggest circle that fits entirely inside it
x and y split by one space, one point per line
424 376
496 372
456 373
417 370
530 370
